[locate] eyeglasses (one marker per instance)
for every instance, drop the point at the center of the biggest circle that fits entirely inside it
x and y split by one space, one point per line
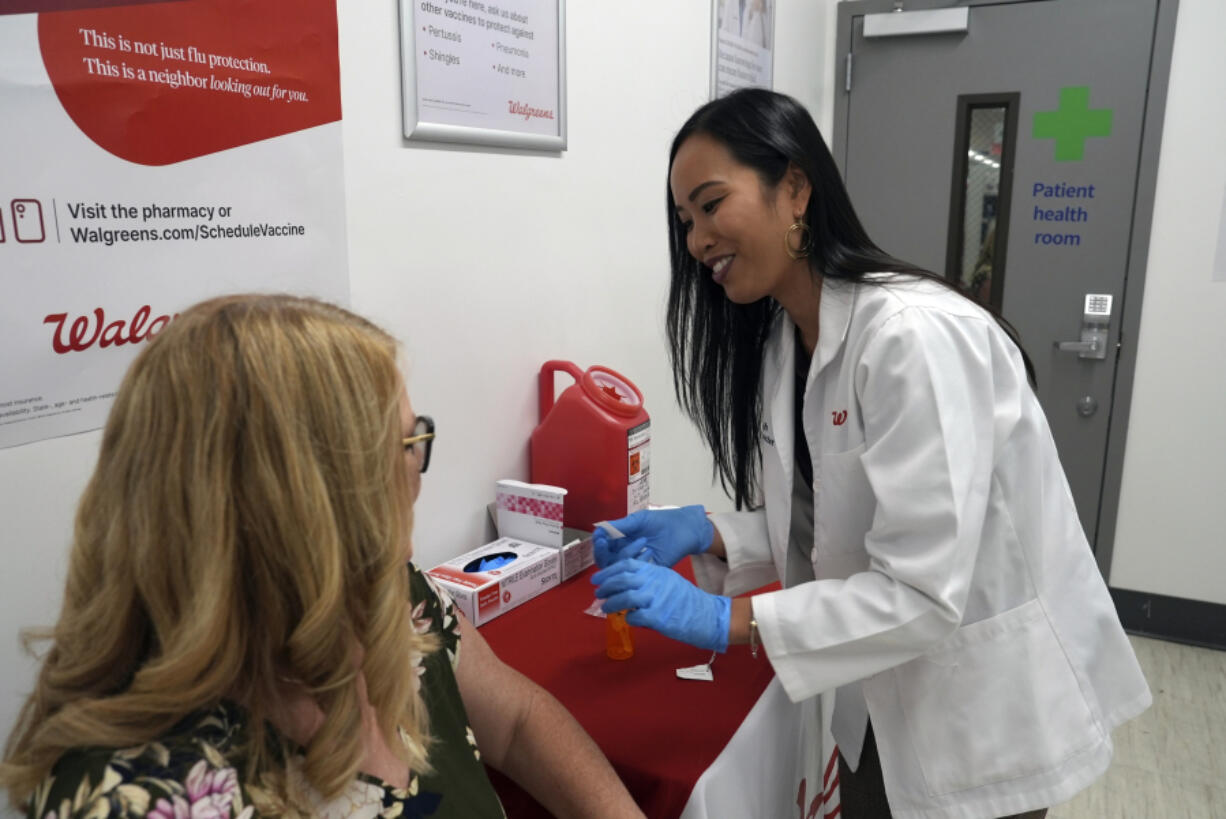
421 442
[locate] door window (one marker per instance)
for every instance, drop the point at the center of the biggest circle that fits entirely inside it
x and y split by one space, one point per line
979 204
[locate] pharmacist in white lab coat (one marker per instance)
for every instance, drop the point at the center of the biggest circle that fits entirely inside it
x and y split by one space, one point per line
910 496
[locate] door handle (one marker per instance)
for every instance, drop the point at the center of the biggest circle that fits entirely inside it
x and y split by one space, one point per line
1096 315
1093 344
1082 347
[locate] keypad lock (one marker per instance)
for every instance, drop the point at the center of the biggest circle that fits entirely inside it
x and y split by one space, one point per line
1095 321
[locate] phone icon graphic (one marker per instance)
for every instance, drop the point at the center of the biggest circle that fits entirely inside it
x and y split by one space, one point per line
28 221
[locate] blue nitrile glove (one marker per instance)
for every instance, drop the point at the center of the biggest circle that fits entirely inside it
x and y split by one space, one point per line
663 600
662 535
495 562
606 551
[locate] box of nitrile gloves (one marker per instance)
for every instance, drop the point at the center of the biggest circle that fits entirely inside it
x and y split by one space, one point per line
497 577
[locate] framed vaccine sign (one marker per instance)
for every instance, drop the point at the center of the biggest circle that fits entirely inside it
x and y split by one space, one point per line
742 45
485 73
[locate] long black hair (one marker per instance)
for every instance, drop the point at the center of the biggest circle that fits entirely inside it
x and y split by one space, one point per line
715 345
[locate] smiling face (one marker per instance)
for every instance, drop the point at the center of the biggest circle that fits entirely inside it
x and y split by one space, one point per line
734 225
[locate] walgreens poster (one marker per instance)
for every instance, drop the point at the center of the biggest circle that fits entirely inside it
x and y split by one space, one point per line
151 155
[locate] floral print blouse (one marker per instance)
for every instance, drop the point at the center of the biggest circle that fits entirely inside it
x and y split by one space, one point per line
196 771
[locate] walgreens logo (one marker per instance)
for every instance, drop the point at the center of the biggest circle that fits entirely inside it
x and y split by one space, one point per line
527 111
82 332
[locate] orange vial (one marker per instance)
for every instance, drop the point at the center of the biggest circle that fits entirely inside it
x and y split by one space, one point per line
618 642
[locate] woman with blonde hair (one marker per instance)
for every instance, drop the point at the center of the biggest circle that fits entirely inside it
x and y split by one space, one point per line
242 633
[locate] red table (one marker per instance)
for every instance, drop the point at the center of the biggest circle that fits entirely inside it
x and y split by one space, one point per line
659 731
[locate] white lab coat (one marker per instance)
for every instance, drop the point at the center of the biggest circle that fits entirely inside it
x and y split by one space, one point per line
952 575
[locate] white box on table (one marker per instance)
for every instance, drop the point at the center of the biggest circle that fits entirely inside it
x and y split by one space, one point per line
531 512
483 595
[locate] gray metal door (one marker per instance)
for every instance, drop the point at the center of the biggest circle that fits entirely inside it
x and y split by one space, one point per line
1006 156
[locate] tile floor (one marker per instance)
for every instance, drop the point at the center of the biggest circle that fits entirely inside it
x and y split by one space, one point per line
1170 762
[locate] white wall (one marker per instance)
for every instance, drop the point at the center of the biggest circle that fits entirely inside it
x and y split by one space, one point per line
1171 535
485 263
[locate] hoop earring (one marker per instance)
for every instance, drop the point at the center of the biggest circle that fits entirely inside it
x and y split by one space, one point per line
802 249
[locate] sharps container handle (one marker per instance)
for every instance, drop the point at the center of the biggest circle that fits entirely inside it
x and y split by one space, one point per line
545 394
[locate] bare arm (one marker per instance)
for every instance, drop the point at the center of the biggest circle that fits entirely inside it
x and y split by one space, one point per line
738 621
523 731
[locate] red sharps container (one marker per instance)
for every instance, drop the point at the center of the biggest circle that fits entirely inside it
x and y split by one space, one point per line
595 442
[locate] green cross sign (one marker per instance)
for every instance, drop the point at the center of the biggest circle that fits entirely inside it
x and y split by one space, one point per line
1072 122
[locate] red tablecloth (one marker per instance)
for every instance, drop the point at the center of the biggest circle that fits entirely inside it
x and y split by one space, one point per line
659 731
